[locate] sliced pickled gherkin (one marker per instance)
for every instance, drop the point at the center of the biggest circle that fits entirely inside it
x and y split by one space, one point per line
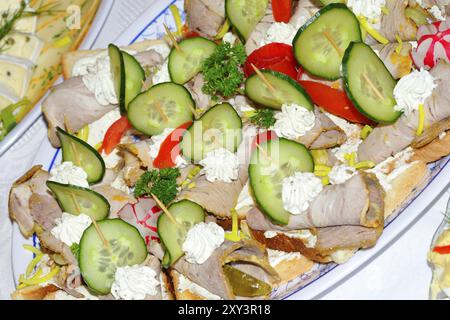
245 285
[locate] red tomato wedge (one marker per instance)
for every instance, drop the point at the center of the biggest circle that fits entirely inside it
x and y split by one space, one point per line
282 10
273 56
334 101
114 134
442 250
170 148
263 137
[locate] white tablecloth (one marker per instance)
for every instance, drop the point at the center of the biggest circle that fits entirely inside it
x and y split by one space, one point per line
400 272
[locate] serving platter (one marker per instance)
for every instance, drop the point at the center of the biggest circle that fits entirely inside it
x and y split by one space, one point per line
97 25
323 277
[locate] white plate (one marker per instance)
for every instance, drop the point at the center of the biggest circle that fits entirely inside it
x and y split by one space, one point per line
35 113
323 277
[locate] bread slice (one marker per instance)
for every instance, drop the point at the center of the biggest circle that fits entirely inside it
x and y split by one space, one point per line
70 58
437 149
414 177
35 293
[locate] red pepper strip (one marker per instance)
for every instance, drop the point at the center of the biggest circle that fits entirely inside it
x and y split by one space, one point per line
263 137
114 134
442 250
334 101
188 33
170 148
282 10
273 56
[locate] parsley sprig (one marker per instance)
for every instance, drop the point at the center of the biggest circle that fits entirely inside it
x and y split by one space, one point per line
222 70
162 183
264 118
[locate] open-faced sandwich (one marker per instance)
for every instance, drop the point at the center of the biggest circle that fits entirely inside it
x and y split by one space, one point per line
33 36
254 144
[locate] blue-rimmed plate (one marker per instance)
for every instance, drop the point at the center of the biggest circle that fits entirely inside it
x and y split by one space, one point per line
323 277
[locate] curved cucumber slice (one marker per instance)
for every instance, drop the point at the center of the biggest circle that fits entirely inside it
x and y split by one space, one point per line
76 200
187 214
369 84
165 105
281 159
98 264
134 77
82 155
186 63
244 15
219 127
286 91
321 42
118 72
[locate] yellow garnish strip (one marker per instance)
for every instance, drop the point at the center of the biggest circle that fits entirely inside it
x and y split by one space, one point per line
234 234
321 173
385 10
192 185
366 131
325 181
374 33
34 250
83 133
421 125
64 41
364 165
321 167
33 264
223 30
35 280
177 18
399 47
351 158
249 114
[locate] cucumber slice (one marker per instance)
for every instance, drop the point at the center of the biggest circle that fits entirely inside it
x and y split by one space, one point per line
118 72
134 77
186 63
165 105
98 264
244 15
286 91
82 155
369 84
320 43
281 158
76 200
219 127
187 214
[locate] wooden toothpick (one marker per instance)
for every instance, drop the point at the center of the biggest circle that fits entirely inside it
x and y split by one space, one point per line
165 210
101 235
266 81
172 38
332 42
374 88
161 111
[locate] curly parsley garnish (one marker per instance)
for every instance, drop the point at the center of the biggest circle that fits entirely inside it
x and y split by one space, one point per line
264 118
162 183
222 70
75 248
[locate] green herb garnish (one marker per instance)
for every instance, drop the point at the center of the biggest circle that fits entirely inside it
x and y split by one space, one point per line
222 70
75 248
162 183
264 118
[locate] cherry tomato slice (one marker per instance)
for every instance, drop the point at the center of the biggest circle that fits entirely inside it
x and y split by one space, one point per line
334 101
263 137
282 10
273 56
170 148
114 134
